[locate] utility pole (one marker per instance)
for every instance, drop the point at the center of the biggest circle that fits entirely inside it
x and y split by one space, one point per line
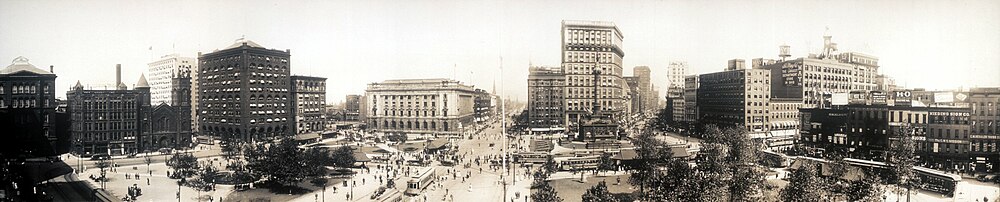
503 130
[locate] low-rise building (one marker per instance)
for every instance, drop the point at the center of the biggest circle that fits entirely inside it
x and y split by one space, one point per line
420 107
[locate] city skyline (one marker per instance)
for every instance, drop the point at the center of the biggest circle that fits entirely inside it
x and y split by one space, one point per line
354 43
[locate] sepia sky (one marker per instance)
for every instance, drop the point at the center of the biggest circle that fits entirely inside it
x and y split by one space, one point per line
922 43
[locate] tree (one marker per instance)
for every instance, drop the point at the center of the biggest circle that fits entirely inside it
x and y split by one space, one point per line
901 160
550 165
184 164
804 185
343 157
231 150
103 164
540 177
606 162
652 155
546 193
286 164
867 189
315 161
199 185
598 193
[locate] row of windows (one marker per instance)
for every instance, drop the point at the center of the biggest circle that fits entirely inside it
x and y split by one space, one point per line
23 103
102 126
109 136
411 125
25 88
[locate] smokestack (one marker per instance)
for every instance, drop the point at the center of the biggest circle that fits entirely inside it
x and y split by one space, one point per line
51 69
118 74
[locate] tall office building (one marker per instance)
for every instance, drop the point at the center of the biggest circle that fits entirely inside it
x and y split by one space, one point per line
244 93
816 78
675 89
690 99
161 73
645 87
589 48
546 100
420 107
309 103
737 97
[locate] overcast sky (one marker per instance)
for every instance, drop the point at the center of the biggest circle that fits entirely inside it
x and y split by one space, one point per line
930 44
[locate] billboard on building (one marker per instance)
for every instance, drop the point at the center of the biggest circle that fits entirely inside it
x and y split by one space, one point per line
902 97
839 98
944 97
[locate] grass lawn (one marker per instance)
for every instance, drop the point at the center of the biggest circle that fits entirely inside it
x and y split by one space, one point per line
571 190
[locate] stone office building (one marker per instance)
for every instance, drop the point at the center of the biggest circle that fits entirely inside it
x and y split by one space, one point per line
546 100
309 104
589 47
737 97
27 110
416 107
109 121
245 93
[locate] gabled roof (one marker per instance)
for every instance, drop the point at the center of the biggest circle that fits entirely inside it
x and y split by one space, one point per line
20 64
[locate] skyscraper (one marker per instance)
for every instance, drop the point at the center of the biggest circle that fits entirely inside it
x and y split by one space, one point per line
592 49
161 73
244 92
675 89
645 88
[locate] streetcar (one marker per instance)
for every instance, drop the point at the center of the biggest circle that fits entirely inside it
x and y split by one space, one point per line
937 181
532 157
579 163
419 182
388 195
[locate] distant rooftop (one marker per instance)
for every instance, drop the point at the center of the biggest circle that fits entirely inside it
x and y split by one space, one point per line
241 41
21 64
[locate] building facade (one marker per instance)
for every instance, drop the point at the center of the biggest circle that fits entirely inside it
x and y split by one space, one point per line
483 106
546 100
690 99
352 108
170 123
815 78
590 47
161 75
420 107
636 96
109 121
28 110
309 103
244 93
985 128
735 98
645 88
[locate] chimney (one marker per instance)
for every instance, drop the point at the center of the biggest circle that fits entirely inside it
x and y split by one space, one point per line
118 74
51 69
